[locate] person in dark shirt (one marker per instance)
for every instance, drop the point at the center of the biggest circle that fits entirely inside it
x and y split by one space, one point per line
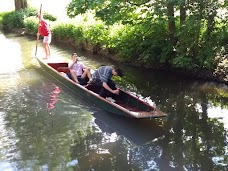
101 79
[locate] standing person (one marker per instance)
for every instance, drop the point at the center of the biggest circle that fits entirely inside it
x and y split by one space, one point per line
44 31
79 72
101 79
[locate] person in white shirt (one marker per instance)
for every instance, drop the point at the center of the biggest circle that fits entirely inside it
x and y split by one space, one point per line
79 72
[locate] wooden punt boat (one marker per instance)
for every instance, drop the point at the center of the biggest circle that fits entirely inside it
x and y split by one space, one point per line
125 104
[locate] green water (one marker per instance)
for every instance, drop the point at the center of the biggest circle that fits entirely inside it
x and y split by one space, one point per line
44 126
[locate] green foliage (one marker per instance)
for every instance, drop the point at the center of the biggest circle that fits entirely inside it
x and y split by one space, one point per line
123 40
13 20
31 25
199 38
24 18
109 11
77 7
222 68
49 17
68 31
29 12
142 31
140 42
95 33
83 29
17 19
155 46
139 30
2 16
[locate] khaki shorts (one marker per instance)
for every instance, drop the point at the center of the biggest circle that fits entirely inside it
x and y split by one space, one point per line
47 39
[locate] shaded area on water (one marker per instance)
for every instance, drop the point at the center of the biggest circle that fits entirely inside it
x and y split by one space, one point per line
44 126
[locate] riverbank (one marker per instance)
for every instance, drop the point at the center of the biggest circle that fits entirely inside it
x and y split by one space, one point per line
94 36
205 59
219 76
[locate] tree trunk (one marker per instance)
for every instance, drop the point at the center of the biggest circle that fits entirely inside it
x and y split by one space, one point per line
171 23
181 38
182 12
20 4
211 23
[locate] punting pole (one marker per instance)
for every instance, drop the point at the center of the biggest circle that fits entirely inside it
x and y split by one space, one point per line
37 37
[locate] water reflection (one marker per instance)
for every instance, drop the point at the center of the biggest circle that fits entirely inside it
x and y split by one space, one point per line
117 143
70 133
12 62
136 131
40 140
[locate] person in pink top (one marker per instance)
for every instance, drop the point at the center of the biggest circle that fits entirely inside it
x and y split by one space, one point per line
79 72
45 31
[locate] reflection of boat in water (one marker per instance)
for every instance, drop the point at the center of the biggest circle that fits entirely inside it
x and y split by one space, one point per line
137 131
124 104
53 98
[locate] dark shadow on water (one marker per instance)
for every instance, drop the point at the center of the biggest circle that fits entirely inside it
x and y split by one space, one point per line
138 131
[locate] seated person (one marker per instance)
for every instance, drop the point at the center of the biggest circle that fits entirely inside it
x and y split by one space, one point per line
79 73
101 79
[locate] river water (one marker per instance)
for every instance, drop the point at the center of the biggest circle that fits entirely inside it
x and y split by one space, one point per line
45 127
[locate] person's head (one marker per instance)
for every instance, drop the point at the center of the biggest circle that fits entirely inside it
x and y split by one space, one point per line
118 72
40 16
74 56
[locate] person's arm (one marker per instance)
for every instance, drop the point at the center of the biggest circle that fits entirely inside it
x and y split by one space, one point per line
39 28
84 67
71 64
105 85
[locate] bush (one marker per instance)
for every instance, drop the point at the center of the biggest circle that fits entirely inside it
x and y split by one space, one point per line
123 40
95 33
18 19
139 42
31 25
13 20
68 31
49 17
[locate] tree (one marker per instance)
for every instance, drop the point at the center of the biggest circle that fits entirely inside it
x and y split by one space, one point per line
190 34
20 4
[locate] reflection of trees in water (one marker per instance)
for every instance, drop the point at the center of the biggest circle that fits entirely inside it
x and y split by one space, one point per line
191 139
111 144
94 152
162 90
43 136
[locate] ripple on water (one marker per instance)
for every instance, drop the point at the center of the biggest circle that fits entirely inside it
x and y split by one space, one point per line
8 148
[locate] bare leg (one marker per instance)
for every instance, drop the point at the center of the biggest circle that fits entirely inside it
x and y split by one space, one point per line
47 49
87 73
73 75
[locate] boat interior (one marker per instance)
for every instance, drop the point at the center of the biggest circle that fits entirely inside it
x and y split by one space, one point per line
124 99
